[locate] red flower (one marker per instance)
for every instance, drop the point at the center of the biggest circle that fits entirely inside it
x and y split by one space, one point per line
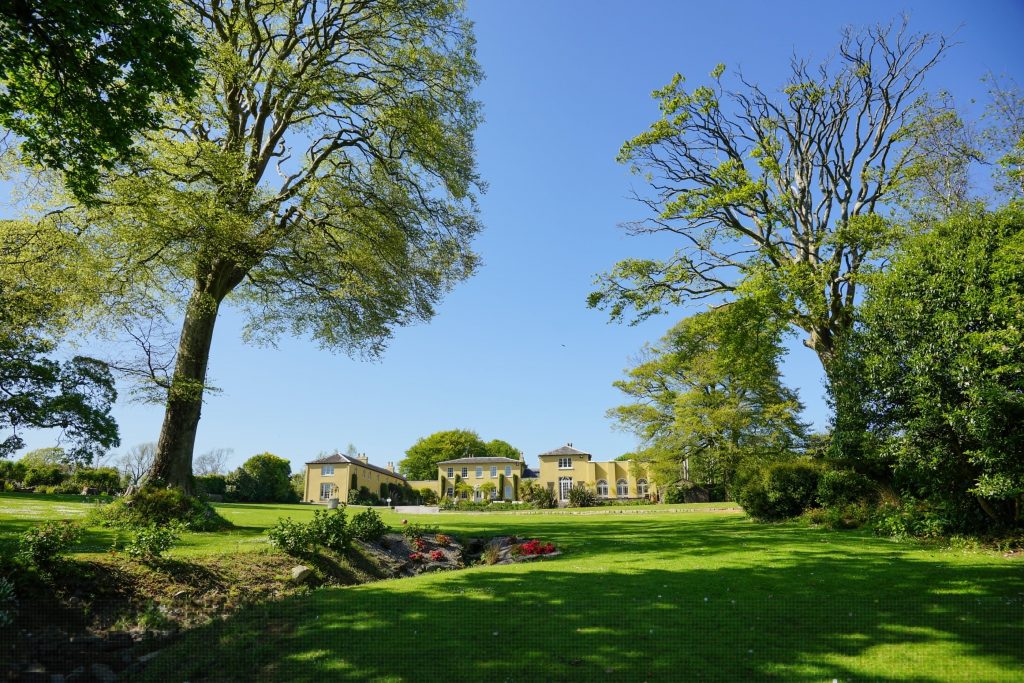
437 556
416 557
419 543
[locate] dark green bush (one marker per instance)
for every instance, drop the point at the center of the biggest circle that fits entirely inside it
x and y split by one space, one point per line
328 529
778 490
294 538
539 496
149 542
849 516
263 478
367 526
44 475
913 518
12 473
353 497
161 506
212 484
428 496
8 603
580 496
675 494
42 545
104 479
844 487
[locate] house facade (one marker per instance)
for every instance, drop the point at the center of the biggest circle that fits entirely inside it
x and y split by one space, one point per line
336 475
566 466
487 478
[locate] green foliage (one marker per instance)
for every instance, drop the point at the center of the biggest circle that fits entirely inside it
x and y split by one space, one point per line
428 496
496 448
328 529
367 526
104 479
778 490
709 397
843 516
298 482
293 538
536 495
931 393
422 457
417 530
580 496
78 80
913 519
838 488
162 507
263 478
42 545
8 603
215 484
149 542
44 475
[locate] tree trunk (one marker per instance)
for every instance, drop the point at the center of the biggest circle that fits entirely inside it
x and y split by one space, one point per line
173 463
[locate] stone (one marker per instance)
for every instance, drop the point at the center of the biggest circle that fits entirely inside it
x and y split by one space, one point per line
301 573
103 673
118 640
181 595
144 659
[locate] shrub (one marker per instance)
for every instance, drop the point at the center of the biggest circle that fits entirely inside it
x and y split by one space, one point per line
328 529
367 526
415 530
675 494
436 556
428 496
778 490
293 538
492 553
442 539
533 547
843 487
44 475
212 484
263 478
150 542
850 516
104 479
537 495
353 497
161 506
581 497
12 473
42 545
8 603
913 518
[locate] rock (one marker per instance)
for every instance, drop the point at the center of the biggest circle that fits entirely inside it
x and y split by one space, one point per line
144 659
90 491
118 640
181 595
103 673
301 574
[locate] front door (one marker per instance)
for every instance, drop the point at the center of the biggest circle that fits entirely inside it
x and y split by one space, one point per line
326 490
564 484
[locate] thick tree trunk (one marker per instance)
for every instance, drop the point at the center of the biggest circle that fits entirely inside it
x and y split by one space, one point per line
173 463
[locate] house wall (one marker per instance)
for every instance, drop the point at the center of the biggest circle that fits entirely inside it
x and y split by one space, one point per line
589 473
342 480
471 478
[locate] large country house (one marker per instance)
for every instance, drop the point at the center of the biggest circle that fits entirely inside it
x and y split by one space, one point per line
482 478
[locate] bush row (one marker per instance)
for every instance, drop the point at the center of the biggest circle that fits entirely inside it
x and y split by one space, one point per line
328 529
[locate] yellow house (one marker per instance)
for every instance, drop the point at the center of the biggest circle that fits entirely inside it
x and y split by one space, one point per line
565 467
503 474
336 475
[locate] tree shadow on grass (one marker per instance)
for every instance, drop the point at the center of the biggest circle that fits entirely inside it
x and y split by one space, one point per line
791 604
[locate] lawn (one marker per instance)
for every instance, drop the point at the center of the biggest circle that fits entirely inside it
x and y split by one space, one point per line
659 596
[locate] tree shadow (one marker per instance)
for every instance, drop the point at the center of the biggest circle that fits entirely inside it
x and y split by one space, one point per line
791 604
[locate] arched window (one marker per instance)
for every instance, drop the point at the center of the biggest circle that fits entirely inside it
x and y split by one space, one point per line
641 487
621 488
602 488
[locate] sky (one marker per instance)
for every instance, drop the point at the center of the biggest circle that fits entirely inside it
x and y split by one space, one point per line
514 353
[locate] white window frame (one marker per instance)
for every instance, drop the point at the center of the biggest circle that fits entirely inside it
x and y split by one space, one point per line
622 488
641 487
494 471
327 471
602 488
508 470
451 491
328 487
479 472
565 463
564 486
451 472
465 472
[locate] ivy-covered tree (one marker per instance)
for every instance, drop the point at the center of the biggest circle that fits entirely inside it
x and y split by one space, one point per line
323 178
786 188
709 398
78 79
931 393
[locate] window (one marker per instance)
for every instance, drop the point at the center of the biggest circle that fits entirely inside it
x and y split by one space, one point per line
508 470
479 472
451 472
641 487
621 488
325 491
565 463
602 488
477 494
508 491
327 470
494 471
451 491
564 486
465 472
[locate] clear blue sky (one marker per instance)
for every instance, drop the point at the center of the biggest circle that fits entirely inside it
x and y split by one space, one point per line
514 353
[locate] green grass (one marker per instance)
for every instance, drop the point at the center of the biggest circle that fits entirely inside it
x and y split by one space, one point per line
658 597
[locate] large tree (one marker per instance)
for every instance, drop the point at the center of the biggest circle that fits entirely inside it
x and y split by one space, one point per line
931 393
77 79
708 398
421 459
786 184
323 178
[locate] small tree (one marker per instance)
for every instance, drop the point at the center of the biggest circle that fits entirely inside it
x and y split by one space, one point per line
136 463
263 478
487 489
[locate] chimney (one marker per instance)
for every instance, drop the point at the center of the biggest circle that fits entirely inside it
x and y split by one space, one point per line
363 459
391 467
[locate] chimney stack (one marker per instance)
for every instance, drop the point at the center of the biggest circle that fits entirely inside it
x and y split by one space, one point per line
391 467
363 459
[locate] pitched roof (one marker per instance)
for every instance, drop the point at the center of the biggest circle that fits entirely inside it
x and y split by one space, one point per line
566 450
339 459
470 461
